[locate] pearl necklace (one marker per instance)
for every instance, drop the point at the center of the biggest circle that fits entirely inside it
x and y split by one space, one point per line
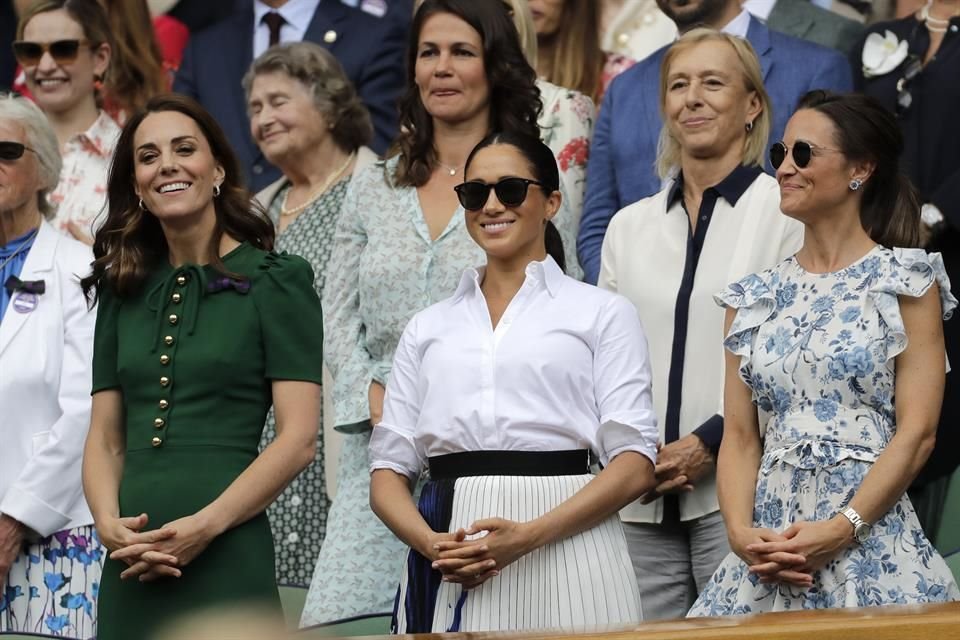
316 193
936 25
450 170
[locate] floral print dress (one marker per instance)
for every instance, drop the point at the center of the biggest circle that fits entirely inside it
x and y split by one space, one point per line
818 352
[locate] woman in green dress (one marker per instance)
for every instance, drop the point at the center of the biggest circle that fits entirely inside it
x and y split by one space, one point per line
201 328
308 121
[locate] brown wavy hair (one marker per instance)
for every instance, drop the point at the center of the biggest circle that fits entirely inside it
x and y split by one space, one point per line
130 244
514 97
136 68
577 61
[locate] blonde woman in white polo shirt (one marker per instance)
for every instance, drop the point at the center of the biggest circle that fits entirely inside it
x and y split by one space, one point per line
505 391
718 218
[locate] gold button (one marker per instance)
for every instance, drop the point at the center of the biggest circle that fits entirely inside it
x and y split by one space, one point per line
158 423
623 38
156 441
176 298
164 381
168 340
164 359
173 318
181 280
164 404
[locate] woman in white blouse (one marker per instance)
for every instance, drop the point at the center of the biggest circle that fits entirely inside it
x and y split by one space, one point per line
505 392
718 220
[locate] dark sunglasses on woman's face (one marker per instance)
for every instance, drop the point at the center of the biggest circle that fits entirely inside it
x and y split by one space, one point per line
511 192
12 150
28 54
802 153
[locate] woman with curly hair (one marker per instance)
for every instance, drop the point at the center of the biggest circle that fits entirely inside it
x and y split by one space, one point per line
400 246
201 329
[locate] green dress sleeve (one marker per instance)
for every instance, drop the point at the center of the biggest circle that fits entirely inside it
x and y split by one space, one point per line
291 320
105 341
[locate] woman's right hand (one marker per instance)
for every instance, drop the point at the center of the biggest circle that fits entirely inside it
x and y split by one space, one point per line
118 533
375 398
772 567
463 560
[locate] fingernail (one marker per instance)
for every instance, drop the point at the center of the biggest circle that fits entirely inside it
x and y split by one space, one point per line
434 566
436 546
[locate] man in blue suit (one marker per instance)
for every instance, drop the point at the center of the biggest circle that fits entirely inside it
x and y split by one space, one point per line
369 48
623 152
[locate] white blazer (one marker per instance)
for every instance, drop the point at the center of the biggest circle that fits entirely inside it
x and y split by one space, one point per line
45 377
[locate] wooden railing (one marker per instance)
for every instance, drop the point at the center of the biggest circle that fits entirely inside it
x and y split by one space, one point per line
927 622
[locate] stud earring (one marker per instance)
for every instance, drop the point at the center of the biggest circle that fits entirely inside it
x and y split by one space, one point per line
855 184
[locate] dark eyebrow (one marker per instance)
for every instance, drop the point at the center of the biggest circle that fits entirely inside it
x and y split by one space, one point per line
177 140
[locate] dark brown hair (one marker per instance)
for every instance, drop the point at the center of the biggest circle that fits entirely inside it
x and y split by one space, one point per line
131 242
514 97
577 61
136 66
866 132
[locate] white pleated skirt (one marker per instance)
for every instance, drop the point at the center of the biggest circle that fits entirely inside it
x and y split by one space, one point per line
586 580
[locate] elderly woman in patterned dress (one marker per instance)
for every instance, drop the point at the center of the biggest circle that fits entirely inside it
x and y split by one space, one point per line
307 120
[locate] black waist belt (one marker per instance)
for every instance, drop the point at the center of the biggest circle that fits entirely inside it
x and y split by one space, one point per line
573 462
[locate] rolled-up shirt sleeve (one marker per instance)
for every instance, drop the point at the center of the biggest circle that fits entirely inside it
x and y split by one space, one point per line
622 383
392 444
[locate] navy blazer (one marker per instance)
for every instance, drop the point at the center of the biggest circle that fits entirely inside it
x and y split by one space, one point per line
369 48
621 169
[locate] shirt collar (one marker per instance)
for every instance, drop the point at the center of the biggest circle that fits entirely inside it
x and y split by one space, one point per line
102 135
760 8
730 188
546 273
739 25
297 13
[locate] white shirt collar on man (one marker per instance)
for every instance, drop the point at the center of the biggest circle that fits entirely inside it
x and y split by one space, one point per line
760 8
297 13
739 25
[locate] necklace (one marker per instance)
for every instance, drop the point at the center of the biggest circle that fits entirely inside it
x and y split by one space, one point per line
450 170
19 249
936 25
316 193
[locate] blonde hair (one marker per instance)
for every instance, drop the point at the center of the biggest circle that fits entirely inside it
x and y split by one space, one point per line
755 148
523 19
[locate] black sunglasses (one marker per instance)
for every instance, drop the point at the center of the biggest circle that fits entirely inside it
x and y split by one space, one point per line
802 152
28 54
511 192
12 150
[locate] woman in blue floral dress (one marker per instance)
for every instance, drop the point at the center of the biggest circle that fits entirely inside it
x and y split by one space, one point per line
840 347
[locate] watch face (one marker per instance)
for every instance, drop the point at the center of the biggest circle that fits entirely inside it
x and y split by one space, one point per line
862 532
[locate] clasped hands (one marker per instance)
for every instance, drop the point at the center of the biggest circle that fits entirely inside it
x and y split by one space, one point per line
159 553
793 556
680 465
473 562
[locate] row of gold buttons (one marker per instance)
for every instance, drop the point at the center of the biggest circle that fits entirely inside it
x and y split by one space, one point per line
159 422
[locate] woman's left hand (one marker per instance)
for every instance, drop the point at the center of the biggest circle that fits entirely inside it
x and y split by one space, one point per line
819 542
505 542
193 535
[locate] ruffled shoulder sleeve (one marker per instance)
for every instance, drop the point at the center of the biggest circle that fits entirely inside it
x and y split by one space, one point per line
908 272
755 299
290 318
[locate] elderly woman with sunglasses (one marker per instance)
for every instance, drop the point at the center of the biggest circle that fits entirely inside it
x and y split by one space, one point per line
718 219
834 377
64 49
50 559
917 81
506 391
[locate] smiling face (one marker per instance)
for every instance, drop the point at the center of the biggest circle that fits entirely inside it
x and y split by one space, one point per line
546 15
19 179
61 87
284 120
175 170
823 185
707 104
509 233
449 71
690 13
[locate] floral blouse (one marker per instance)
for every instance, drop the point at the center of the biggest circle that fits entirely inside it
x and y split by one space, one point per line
81 194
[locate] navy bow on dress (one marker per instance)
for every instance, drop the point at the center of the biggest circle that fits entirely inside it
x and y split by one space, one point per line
224 282
14 283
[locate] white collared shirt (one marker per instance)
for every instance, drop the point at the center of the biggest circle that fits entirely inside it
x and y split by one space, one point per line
760 8
739 25
297 13
644 257
566 367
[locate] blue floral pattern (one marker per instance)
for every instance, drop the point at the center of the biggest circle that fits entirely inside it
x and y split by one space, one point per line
818 352
53 585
